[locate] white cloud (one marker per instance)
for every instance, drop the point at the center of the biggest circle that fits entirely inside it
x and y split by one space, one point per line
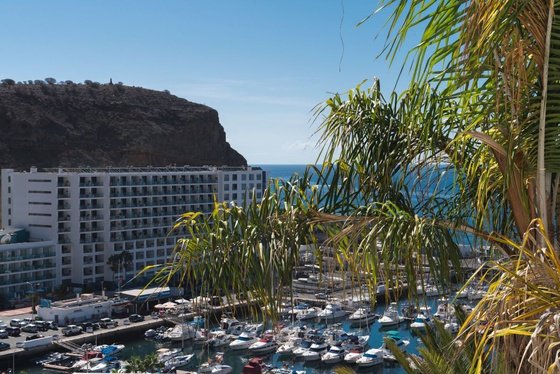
300 146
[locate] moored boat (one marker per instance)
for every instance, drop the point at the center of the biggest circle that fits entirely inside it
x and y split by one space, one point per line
391 316
315 352
265 345
334 355
331 311
371 358
362 316
243 341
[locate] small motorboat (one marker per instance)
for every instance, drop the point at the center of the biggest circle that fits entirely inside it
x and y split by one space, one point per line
391 316
362 316
315 352
353 355
265 345
218 339
331 311
371 358
243 341
177 362
334 355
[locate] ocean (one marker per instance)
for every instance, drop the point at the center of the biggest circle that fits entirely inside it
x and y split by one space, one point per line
283 171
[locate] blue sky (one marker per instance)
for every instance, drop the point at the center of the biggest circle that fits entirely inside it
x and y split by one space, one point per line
264 65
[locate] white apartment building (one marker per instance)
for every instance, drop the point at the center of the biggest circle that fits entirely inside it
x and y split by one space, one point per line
26 266
89 214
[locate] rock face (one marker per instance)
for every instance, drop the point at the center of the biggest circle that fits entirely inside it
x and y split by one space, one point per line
69 125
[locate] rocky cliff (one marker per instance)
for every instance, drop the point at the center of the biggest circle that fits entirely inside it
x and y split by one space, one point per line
67 124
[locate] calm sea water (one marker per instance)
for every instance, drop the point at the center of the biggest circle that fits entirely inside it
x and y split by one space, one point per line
283 171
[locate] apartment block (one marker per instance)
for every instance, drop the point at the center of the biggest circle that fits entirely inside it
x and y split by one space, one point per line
90 214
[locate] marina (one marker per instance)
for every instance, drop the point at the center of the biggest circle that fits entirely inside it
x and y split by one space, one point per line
332 341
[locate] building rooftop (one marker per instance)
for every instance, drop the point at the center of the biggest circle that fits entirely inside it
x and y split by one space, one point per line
145 169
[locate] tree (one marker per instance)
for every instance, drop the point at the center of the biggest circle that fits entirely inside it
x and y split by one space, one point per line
479 119
50 80
148 363
120 262
8 82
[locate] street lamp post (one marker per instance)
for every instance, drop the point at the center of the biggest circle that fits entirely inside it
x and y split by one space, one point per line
32 300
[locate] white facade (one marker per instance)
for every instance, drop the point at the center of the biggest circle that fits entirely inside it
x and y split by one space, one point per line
28 267
91 214
84 307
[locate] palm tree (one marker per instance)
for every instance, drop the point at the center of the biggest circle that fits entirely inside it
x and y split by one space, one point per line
148 363
119 262
472 147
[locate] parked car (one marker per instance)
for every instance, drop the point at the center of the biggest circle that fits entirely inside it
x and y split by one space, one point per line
52 325
3 334
71 330
136 318
4 346
90 326
32 328
13 331
41 325
108 323
2 324
16 322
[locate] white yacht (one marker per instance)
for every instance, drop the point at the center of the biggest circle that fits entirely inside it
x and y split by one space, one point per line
391 316
264 345
334 355
428 290
315 352
177 362
243 341
231 325
331 311
420 322
218 339
371 358
362 316
308 313
354 355
303 347
399 342
444 309
452 326
181 332
288 347
215 366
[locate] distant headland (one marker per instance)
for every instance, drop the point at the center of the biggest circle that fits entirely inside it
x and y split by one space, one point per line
46 123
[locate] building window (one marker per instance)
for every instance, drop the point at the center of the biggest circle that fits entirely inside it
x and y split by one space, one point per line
234 177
